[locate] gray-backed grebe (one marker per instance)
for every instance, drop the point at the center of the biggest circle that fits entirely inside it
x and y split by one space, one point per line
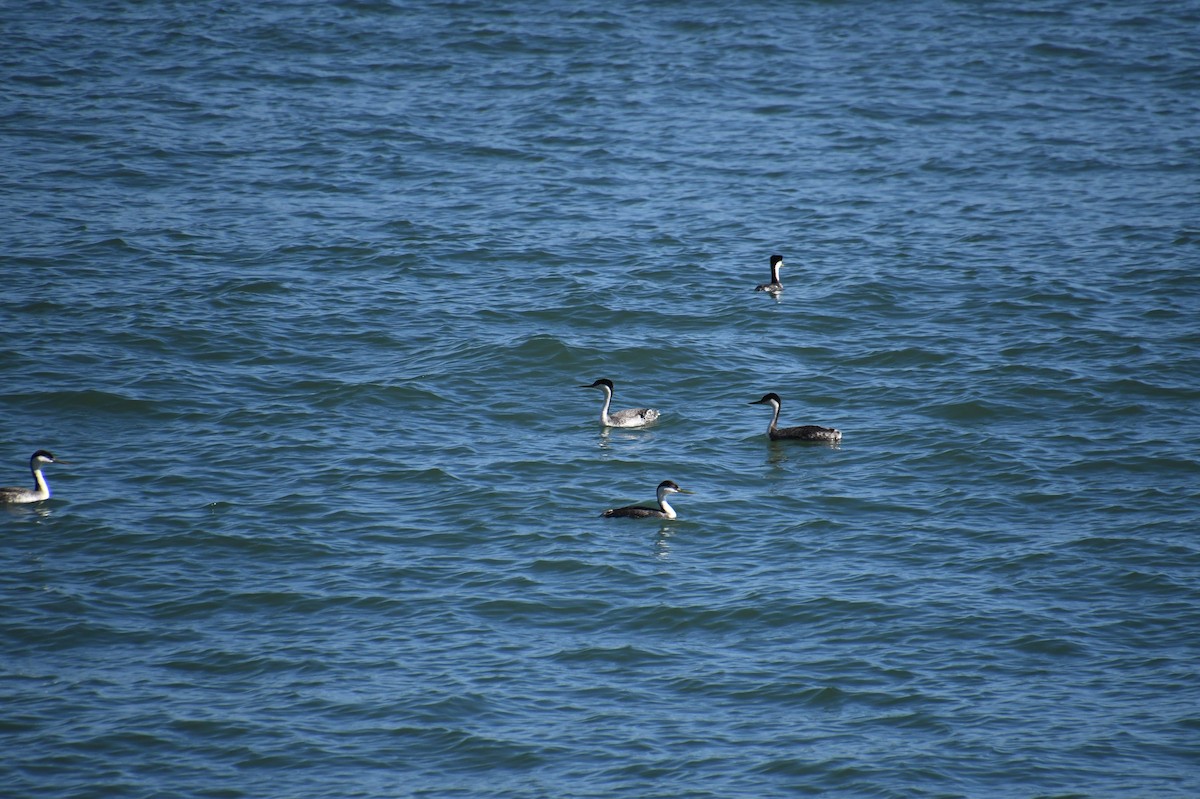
40 490
774 286
633 417
663 511
807 432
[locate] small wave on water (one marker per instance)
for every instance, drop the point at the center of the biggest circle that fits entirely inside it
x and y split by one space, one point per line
88 401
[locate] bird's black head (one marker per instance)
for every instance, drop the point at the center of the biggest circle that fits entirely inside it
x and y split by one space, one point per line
767 399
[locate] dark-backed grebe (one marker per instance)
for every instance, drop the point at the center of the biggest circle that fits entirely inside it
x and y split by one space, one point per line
807 432
774 286
633 417
40 490
663 511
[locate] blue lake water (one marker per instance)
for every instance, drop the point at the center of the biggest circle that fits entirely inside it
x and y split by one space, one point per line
305 291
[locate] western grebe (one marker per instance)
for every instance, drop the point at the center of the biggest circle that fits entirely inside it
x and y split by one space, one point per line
40 490
633 417
774 286
663 511
807 432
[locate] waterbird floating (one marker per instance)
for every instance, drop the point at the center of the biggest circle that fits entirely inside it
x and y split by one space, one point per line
40 490
663 511
633 417
807 432
774 286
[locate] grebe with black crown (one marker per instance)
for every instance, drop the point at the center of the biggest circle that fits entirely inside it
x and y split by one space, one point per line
633 417
40 491
807 432
774 286
663 511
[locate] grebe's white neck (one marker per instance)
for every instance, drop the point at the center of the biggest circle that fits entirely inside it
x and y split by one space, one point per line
43 488
775 406
604 420
663 491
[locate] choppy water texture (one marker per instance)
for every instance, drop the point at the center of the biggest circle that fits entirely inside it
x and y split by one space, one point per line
305 291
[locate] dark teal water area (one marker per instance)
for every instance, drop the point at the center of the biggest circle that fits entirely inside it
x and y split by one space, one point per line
304 291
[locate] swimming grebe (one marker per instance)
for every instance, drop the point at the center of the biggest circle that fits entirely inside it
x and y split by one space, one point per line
663 511
807 432
40 490
774 286
633 417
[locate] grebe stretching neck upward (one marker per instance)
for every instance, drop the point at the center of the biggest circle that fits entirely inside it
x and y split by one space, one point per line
774 286
40 490
663 511
807 432
633 417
